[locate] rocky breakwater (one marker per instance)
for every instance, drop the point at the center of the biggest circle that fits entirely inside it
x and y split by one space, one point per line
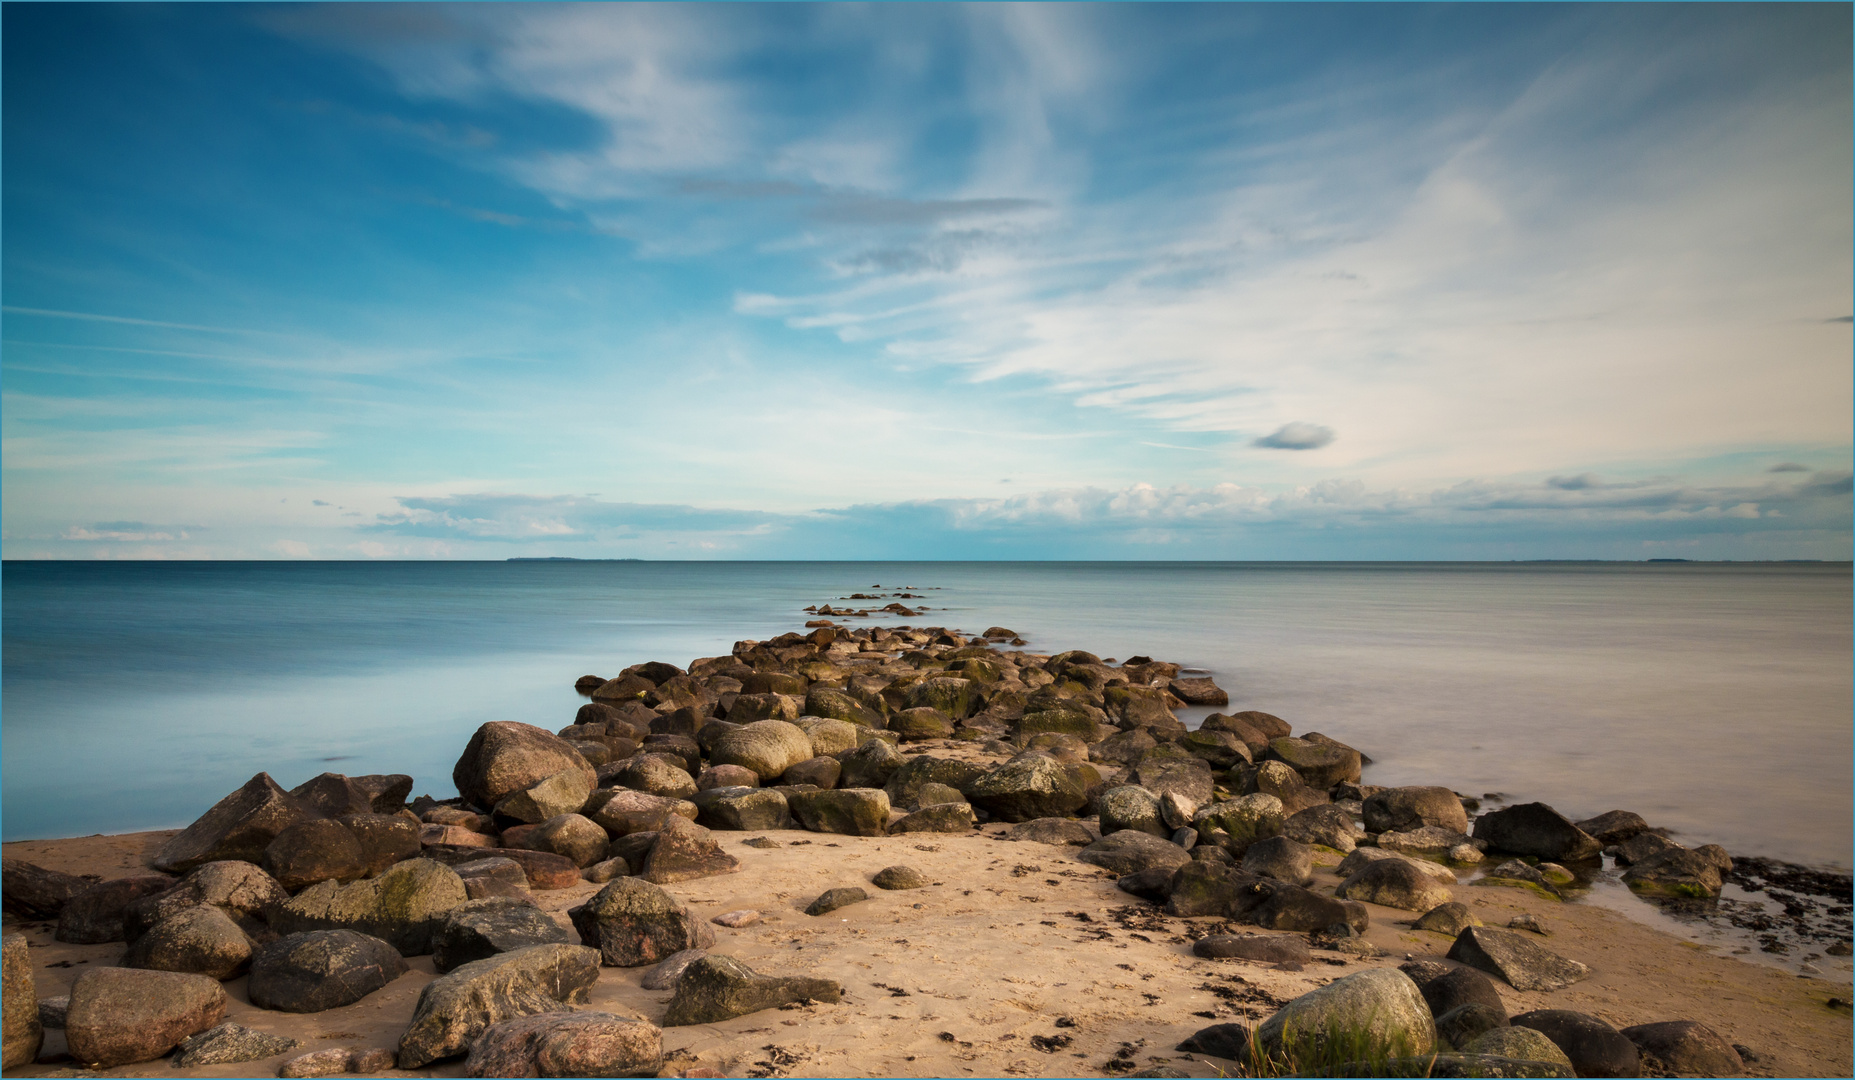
322 893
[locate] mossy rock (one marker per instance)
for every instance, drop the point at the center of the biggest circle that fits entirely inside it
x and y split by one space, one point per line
1514 883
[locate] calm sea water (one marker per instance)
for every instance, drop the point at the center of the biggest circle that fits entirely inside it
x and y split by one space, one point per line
1711 698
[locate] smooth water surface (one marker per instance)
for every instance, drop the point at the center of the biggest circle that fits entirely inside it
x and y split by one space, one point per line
1713 699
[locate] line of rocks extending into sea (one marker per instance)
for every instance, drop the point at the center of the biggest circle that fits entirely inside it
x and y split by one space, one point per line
318 893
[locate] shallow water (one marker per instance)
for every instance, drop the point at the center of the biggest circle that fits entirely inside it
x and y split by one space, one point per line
1713 699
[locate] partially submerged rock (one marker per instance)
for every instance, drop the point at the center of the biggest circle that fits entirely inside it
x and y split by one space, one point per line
1535 829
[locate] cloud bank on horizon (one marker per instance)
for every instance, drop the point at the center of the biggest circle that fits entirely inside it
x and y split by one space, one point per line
1013 281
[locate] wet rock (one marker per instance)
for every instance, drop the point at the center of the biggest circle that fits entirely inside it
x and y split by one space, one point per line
229 1044
1326 825
685 851
1535 829
1613 827
1402 809
1428 840
33 892
1261 948
844 811
1320 765
1360 857
1058 832
664 975
1219 749
1686 1047
97 914
1027 788
1129 852
1518 1044
900 877
572 837
402 906
1280 858
485 928
1593 1047
742 809
119 1016
455 1008
1382 1004
1525 965
725 776
1643 846
504 758
717 988
1515 870
320 970
767 747
1241 821
832 899
1131 807
319 849
1200 691
1448 918
937 818
908 786
633 922
239 826
1676 872
1277 905
562 1044
1459 1026
1394 883
655 774
1228 1041
21 1031
200 940
1197 888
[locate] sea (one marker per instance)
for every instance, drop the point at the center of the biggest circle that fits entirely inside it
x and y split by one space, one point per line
1714 699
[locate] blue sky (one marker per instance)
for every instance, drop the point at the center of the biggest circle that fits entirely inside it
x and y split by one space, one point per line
897 281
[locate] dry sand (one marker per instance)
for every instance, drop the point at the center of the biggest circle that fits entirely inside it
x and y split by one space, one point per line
1015 949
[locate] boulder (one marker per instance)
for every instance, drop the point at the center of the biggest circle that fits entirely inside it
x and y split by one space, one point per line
832 899
1675 872
1062 721
200 940
241 889
845 811
1199 691
1525 965
1131 807
1129 852
655 774
680 750
1068 749
567 1044
818 772
1448 918
1026 788
1452 989
402 906
1059 832
1123 748
717 988
1593 1047
321 970
335 795
543 869
97 914
1613 827
1162 775
319 849
1401 809
834 704
1152 885
664 975
384 839
957 698
1277 779
1643 846
564 792
490 878
20 1030
1394 883
229 1044
1221 750
571 837
1357 861
1685 1047
1427 840
1280 858
623 811
1320 765
485 928
633 922
937 818
1518 1044
33 892
1381 1005
1193 888
722 776
119 1016
1459 1026
870 764
457 1007
1228 1041
1535 829
1253 736
505 757
685 851
920 724
1262 948
767 747
908 782
742 809
900 877
1325 824
1241 822
239 826
1277 905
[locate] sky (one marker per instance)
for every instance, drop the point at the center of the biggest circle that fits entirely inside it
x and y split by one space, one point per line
1103 281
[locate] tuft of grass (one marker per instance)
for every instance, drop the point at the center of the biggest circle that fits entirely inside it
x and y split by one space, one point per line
1340 1048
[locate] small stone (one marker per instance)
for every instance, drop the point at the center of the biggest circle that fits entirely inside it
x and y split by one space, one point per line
1228 1041
1528 922
737 920
1060 832
836 898
601 872
1262 948
330 1062
900 877
371 1060
665 974
229 1044
1451 918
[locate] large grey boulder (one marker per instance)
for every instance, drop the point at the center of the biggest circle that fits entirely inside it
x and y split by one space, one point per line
99 914
200 940
768 747
685 851
844 811
485 928
321 970
1394 883
1403 808
119 1016
1525 965
1129 852
1535 829
567 1044
633 922
909 782
1383 1005
1280 858
239 826
1686 1047
869 764
1028 787
1240 822
717 988
402 906
1131 807
1320 764
504 757
455 1008
742 809
1593 1047
1324 824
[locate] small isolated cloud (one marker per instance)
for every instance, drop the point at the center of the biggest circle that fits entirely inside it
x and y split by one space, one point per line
1297 436
319 502
122 532
1788 466
1581 482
